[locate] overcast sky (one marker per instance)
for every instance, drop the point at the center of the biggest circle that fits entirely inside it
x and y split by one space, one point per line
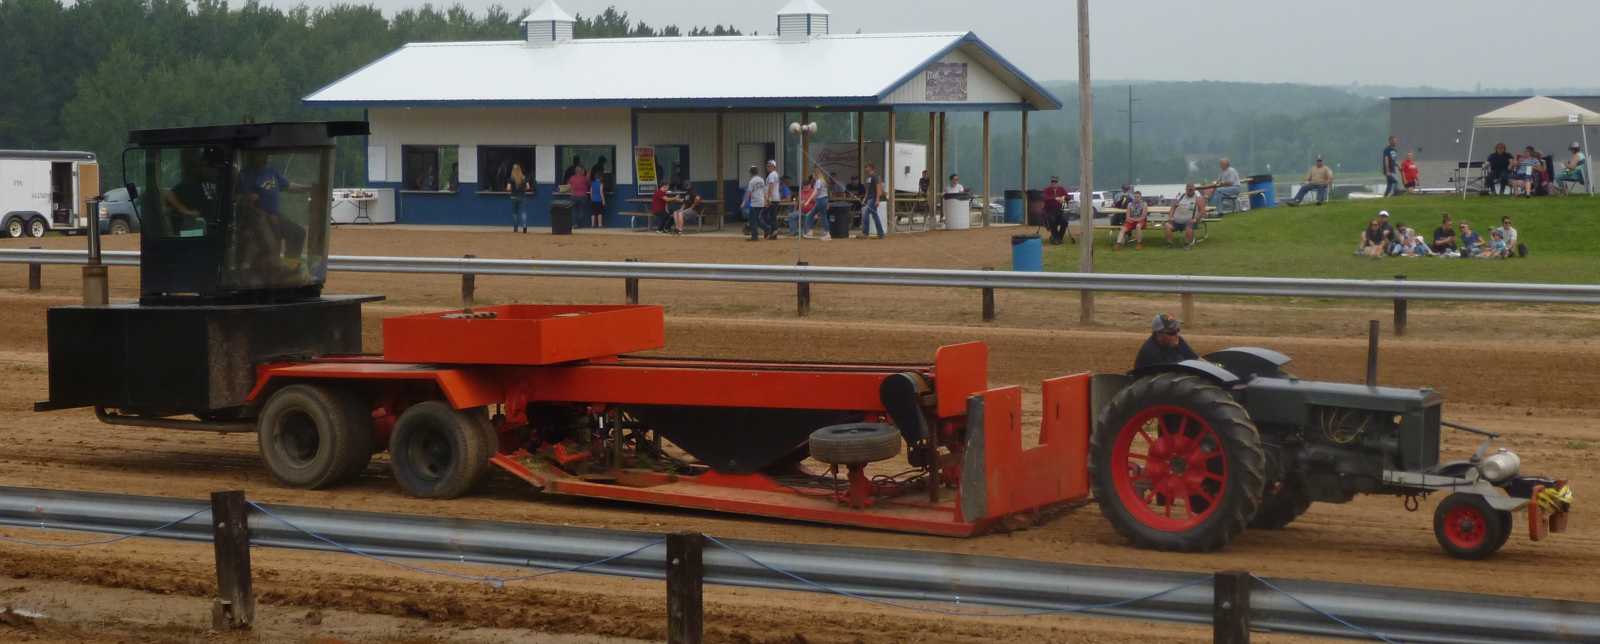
1444 43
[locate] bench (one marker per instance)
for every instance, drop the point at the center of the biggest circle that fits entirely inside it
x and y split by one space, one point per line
1201 231
635 215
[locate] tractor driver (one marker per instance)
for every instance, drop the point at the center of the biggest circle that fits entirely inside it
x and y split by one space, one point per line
1164 346
191 203
259 193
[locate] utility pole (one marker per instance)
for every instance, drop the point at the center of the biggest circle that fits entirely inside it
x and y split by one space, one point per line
1131 122
1086 163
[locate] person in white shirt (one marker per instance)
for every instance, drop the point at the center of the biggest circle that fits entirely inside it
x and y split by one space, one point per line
1509 234
955 184
774 198
756 192
1225 187
1189 210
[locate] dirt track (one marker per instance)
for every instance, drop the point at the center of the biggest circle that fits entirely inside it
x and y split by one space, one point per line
1524 371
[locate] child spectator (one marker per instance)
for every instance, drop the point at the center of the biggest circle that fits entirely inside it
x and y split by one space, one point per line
1409 172
1133 222
1497 245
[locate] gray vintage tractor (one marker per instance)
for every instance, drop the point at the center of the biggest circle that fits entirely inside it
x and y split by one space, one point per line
1184 456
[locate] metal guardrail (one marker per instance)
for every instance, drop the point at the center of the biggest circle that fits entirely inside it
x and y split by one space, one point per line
920 277
1396 613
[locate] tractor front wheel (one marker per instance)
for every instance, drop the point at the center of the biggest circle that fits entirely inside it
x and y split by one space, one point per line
1467 527
1176 464
438 452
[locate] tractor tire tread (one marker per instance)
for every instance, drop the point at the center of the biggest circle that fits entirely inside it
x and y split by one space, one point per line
1242 441
469 445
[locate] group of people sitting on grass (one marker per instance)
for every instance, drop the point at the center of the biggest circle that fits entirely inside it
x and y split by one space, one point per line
1382 239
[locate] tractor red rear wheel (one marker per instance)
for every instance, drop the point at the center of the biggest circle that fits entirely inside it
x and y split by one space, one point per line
1467 527
1176 464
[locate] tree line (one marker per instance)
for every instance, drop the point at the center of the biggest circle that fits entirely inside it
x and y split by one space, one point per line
80 75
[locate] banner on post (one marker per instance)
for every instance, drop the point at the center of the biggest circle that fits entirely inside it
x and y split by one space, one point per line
644 167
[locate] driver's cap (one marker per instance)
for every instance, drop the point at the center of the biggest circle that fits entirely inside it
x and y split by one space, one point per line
1164 323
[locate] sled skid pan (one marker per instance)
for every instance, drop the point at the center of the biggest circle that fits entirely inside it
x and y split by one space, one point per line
1003 485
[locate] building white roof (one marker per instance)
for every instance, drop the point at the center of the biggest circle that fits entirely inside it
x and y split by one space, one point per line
549 11
855 70
796 7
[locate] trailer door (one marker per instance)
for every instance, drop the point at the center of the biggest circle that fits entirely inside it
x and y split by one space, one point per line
88 188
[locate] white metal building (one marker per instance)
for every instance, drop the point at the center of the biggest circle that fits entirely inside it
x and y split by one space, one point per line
448 119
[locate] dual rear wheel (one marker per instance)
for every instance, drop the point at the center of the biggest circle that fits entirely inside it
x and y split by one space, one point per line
316 436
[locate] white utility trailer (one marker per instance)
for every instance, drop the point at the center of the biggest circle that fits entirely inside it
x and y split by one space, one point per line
45 190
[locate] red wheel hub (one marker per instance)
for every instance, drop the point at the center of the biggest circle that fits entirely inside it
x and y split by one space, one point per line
1466 527
1169 468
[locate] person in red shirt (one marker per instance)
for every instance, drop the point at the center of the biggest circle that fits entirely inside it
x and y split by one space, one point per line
1055 209
658 207
578 188
1409 172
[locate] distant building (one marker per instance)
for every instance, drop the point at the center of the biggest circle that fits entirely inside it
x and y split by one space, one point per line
1437 129
449 119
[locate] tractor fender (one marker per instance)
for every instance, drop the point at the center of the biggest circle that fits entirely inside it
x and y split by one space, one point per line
1212 371
1249 362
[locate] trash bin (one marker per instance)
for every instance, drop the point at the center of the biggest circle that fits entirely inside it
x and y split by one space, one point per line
561 215
1269 195
1027 253
1035 207
840 214
1016 206
957 210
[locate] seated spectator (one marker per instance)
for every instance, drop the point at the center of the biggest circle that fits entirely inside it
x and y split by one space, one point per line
855 187
1055 210
1444 237
1396 245
1529 167
1409 173
1499 174
1514 245
1319 179
1133 222
690 207
1225 188
1389 233
1496 249
1471 242
1373 240
1412 244
1572 169
1121 203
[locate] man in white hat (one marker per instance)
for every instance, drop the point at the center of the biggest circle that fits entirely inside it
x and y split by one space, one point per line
1572 170
774 199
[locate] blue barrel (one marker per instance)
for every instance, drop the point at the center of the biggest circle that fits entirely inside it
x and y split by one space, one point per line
1016 206
1269 195
1027 253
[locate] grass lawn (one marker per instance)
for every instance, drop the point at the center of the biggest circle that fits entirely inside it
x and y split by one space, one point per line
1562 234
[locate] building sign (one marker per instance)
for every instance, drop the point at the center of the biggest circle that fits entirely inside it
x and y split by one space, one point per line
945 81
644 168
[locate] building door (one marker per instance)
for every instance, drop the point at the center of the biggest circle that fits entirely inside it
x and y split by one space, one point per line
753 154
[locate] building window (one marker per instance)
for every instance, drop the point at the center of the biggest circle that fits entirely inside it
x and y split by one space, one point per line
429 168
672 164
590 157
494 165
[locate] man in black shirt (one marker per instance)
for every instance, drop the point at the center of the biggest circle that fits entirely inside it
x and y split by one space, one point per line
1444 237
1164 346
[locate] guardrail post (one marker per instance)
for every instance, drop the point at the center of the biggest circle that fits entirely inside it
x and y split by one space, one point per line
1400 310
235 605
1230 607
630 285
685 576
1188 308
988 300
802 295
34 273
469 286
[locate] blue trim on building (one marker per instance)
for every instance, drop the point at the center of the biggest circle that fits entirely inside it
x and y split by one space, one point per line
466 207
963 107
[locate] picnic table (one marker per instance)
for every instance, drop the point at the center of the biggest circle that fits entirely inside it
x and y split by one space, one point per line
709 208
1159 216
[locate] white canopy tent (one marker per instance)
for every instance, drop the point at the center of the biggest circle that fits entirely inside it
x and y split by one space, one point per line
1540 111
